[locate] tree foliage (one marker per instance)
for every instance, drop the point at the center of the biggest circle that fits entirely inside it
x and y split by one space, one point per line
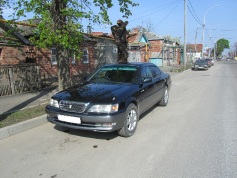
60 24
3 4
221 45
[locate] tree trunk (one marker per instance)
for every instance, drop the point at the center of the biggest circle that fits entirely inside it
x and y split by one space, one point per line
64 80
59 20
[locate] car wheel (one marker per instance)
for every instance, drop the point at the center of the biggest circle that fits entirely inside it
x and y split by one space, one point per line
165 98
130 122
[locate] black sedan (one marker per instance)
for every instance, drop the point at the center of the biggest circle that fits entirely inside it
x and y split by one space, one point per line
200 64
112 99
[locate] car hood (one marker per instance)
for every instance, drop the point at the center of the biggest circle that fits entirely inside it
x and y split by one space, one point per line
95 92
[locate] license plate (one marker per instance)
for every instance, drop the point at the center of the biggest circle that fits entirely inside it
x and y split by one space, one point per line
75 120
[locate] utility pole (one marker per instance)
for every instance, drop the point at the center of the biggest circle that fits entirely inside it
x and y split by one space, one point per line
185 16
215 51
196 41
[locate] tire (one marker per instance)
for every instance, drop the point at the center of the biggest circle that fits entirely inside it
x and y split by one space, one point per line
165 98
130 122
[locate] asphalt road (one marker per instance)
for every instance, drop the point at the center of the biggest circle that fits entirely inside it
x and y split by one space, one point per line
194 136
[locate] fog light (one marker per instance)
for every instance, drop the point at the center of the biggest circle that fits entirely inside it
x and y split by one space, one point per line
109 124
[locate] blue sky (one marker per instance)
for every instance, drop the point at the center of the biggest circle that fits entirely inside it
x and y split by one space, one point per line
166 17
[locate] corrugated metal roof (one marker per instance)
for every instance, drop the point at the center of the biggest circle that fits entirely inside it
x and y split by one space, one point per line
151 36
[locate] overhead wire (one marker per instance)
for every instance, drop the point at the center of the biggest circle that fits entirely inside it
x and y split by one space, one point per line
168 14
194 13
161 8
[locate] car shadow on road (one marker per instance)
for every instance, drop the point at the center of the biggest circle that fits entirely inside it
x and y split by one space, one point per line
148 111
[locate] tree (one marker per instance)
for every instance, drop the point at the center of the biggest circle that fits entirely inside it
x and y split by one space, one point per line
60 25
221 44
3 3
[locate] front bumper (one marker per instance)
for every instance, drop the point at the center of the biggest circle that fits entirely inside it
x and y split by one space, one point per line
98 123
196 67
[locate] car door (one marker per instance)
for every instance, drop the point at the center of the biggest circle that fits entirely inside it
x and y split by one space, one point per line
159 82
147 91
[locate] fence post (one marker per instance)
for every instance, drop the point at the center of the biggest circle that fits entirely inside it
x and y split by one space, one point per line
11 81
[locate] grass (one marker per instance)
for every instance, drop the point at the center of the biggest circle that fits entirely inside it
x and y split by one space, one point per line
21 115
181 69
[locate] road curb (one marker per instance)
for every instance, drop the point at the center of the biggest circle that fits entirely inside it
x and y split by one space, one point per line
22 126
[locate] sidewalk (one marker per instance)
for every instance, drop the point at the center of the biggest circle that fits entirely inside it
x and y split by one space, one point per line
13 103
26 100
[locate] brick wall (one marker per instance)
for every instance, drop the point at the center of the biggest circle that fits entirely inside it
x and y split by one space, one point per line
156 46
12 55
48 71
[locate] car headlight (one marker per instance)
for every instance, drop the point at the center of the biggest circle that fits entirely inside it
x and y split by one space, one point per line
102 108
54 103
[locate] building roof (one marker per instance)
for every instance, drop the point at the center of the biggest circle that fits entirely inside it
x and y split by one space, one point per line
15 33
137 44
27 27
137 39
151 36
194 47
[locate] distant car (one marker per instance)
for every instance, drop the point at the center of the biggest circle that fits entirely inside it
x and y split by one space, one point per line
200 65
112 99
212 62
209 62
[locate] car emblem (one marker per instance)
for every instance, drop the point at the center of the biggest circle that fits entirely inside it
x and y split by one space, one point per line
70 106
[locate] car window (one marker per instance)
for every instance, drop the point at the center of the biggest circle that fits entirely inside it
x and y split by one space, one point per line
146 72
155 71
125 74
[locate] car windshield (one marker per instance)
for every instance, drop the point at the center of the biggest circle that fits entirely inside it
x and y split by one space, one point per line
200 61
118 74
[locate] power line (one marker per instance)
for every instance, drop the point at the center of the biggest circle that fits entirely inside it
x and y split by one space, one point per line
168 14
194 13
163 8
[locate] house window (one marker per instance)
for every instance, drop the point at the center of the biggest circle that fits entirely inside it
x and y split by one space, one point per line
0 53
85 57
53 56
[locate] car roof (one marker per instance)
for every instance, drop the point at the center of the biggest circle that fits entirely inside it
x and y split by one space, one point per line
200 60
138 64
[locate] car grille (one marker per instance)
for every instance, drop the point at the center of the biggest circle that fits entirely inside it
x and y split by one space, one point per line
71 106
